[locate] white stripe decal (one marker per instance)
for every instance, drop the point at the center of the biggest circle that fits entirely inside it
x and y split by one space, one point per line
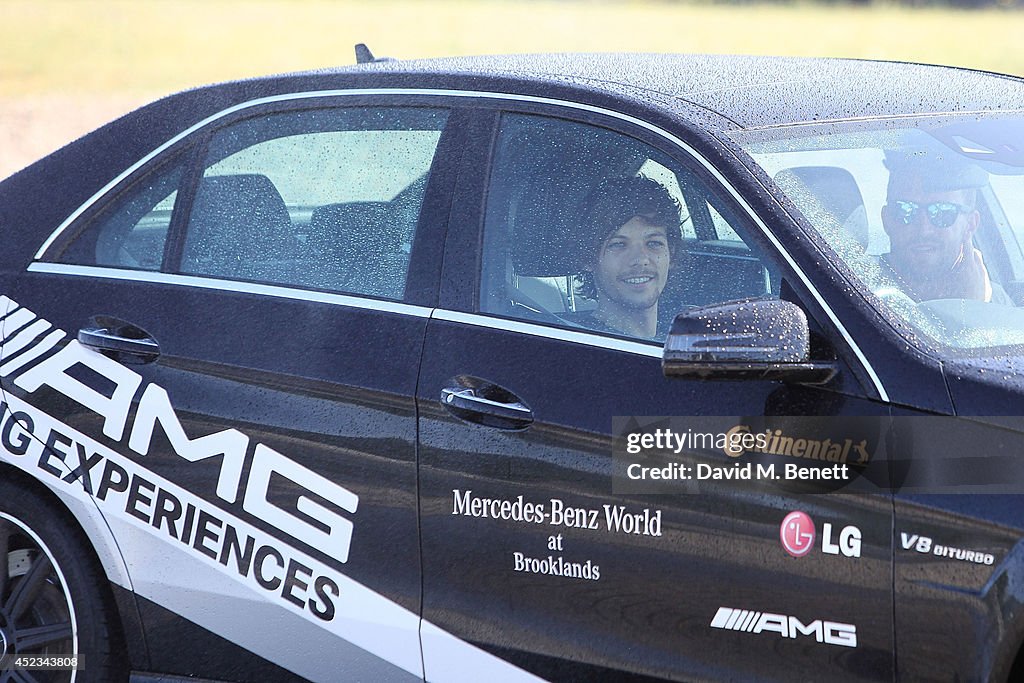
721 617
446 658
751 621
580 337
17 320
279 291
6 306
364 617
741 623
24 338
427 92
44 345
744 614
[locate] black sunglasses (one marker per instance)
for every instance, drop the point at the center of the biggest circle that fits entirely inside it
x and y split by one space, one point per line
940 214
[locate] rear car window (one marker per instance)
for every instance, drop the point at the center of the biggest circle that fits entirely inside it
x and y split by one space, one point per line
323 199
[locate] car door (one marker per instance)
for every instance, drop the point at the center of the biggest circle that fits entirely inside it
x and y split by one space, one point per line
531 552
243 325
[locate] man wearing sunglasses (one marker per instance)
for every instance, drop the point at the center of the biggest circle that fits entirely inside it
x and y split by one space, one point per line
930 217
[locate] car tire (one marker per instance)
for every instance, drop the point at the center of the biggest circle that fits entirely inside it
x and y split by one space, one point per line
54 598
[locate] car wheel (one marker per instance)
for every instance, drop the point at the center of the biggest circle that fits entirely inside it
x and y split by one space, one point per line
52 596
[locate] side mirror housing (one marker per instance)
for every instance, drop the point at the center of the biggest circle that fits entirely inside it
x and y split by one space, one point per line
765 339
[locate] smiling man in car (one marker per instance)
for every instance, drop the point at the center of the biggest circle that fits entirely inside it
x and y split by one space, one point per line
930 216
633 225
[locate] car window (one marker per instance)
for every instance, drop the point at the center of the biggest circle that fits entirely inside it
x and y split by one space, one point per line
322 199
723 229
925 215
132 232
589 228
1008 194
654 170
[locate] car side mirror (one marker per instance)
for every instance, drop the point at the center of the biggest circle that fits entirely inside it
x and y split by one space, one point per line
765 339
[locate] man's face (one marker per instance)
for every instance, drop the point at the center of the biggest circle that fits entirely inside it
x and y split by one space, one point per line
632 266
914 220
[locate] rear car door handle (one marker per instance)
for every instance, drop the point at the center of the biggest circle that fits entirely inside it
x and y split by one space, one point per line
145 349
465 403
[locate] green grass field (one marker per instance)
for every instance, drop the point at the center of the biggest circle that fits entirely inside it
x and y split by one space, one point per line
151 46
67 66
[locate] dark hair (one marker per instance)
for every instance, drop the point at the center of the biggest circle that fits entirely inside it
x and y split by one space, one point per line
614 203
939 170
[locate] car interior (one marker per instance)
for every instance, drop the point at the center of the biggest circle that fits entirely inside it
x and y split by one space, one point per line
534 248
356 247
831 199
241 229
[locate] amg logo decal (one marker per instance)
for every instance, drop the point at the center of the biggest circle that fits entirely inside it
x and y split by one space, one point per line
239 526
159 507
308 521
750 621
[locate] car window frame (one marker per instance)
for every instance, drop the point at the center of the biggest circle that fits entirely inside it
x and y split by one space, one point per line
714 156
897 333
201 163
184 153
191 148
470 227
689 147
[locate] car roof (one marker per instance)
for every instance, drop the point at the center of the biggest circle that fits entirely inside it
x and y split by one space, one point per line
716 93
743 91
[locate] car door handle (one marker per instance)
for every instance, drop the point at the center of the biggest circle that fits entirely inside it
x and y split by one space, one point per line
102 339
465 403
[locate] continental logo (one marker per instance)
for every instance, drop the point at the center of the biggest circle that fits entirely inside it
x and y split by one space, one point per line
741 440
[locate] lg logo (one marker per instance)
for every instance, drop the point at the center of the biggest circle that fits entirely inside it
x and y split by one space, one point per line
797 534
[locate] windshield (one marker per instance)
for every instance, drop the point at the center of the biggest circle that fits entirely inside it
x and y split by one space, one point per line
927 214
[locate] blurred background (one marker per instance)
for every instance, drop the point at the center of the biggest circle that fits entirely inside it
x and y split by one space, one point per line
68 66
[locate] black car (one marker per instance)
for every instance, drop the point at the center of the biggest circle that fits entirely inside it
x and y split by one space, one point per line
564 367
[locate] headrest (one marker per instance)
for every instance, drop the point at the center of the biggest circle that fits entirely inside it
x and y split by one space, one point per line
237 223
834 190
549 168
353 225
938 170
251 199
545 240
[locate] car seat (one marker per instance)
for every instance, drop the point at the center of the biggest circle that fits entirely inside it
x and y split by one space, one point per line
355 247
548 169
831 189
239 228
